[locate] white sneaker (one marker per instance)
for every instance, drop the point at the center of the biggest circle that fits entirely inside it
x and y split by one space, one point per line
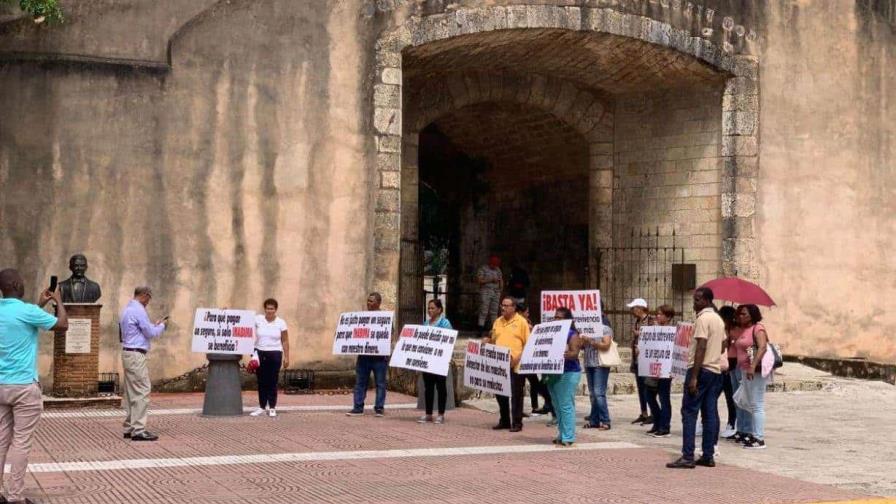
272 412
424 419
728 432
257 412
439 419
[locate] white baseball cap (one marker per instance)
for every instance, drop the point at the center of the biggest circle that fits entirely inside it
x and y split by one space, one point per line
637 302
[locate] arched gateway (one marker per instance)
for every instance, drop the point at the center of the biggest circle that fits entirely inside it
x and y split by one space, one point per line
547 133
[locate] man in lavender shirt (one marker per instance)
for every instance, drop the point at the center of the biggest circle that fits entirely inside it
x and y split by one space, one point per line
136 331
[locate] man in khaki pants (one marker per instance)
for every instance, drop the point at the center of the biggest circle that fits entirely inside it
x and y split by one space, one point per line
20 395
136 331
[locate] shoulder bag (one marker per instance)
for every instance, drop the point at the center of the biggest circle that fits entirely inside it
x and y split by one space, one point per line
609 357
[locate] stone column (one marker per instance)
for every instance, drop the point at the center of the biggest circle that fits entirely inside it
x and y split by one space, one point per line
76 352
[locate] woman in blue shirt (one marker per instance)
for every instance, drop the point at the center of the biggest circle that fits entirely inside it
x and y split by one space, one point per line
431 382
563 387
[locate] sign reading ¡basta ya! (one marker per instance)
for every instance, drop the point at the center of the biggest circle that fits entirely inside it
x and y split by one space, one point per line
585 307
364 333
424 348
223 331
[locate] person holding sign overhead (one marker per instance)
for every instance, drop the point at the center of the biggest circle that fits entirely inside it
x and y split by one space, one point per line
379 364
433 382
272 346
563 387
511 331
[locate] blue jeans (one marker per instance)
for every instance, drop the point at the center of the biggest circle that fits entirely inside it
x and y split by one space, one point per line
706 403
563 394
752 421
379 365
597 387
660 401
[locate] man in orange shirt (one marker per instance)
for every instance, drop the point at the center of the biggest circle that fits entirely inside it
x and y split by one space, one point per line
511 331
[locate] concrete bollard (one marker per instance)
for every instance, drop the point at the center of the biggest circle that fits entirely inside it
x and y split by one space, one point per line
223 390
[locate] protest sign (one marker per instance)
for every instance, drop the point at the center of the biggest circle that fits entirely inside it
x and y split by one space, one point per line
585 306
683 334
544 349
655 347
223 331
487 368
424 348
364 333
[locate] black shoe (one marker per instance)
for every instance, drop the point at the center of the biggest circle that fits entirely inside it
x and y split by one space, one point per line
501 426
647 420
127 435
355 412
541 411
144 436
639 420
738 437
651 431
754 444
661 434
516 428
705 462
379 412
682 463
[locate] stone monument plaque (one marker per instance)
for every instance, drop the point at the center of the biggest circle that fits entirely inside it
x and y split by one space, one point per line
77 338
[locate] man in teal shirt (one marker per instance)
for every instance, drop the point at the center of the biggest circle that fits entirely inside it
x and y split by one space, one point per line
20 394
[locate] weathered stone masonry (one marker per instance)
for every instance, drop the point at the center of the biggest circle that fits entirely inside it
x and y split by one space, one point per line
739 119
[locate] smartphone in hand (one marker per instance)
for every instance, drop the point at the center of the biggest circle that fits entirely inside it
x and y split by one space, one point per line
54 280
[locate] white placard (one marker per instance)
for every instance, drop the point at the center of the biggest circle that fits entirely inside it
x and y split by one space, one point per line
683 335
77 337
585 306
544 349
223 331
487 368
655 349
424 348
364 333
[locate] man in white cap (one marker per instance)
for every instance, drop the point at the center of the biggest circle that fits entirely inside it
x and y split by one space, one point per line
638 308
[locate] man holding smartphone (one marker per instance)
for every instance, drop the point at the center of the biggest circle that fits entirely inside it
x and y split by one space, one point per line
20 395
136 332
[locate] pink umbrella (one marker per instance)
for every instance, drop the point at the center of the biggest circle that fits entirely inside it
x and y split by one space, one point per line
739 291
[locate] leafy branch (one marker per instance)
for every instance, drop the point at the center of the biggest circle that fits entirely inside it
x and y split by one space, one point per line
40 10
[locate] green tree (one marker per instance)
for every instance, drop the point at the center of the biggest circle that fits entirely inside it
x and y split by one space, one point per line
40 10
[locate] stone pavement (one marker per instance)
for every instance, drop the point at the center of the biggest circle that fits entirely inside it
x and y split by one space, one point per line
842 434
312 452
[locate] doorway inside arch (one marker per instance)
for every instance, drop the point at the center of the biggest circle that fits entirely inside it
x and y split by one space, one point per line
548 146
503 179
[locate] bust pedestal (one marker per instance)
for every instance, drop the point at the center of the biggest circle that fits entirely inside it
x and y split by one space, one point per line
76 352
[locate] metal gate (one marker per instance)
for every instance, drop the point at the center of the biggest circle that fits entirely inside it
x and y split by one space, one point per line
640 267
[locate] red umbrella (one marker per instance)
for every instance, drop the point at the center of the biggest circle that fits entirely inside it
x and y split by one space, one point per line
739 291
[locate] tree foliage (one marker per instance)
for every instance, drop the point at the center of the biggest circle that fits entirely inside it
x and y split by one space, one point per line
40 10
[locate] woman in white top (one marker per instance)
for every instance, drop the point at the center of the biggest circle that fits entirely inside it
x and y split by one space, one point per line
272 345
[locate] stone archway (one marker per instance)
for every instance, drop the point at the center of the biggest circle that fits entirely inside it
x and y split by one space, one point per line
737 124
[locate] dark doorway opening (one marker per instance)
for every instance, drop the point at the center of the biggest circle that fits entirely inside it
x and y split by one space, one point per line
507 179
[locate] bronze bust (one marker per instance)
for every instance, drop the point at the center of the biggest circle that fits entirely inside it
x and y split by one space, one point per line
78 288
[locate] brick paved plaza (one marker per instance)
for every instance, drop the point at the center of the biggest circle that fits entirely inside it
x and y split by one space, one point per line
312 452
